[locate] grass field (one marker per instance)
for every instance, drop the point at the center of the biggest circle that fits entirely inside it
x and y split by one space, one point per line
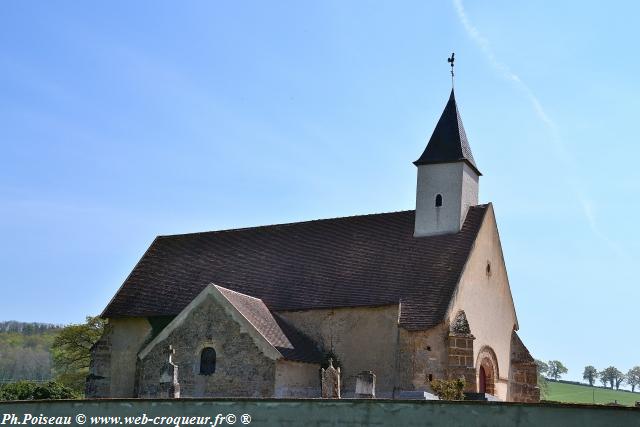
571 393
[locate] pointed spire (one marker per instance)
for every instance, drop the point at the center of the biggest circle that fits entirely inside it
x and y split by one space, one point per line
448 143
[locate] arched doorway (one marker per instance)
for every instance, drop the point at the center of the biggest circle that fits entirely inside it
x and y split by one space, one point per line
487 371
482 380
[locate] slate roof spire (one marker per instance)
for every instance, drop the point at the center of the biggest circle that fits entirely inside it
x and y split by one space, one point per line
448 143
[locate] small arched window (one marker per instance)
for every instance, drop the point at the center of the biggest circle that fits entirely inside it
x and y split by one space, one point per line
207 361
438 200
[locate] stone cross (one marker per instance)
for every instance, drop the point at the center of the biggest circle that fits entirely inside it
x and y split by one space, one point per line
169 352
169 386
331 382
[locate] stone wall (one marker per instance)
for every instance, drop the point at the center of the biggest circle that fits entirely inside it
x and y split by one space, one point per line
242 370
460 358
98 383
524 373
524 386
422 356
114 356
297 379
364 339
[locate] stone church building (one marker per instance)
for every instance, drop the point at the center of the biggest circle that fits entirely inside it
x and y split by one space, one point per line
411 296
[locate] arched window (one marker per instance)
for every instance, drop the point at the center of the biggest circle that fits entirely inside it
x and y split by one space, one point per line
207 361
438 200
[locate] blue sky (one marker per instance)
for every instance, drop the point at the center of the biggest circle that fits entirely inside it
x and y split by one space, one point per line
121 121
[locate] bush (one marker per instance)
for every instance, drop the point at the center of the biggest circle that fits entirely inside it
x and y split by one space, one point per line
28 390
448 389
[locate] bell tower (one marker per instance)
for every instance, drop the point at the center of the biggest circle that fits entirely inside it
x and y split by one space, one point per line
447 177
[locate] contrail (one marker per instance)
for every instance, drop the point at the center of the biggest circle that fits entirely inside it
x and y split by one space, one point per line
558 144
484 45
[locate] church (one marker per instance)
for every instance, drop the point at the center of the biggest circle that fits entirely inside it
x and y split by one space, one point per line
409 297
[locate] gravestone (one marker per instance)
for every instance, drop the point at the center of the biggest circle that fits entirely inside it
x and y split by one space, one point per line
331 382
366 385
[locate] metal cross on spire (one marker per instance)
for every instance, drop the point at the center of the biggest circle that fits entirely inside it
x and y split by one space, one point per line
450 61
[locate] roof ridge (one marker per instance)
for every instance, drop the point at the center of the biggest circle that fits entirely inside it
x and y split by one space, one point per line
255 326
284 224
239 293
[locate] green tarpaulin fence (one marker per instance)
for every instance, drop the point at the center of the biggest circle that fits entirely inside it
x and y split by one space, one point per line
309 413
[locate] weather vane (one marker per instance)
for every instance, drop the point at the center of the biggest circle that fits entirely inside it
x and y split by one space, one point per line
450 61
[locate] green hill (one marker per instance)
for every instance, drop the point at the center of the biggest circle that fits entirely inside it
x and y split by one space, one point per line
25 351
572 393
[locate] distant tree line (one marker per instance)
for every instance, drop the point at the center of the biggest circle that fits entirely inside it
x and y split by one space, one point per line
27 328
609 377
613 377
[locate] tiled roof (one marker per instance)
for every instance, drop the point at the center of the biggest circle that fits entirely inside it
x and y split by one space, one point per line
369 260
292 344
448 143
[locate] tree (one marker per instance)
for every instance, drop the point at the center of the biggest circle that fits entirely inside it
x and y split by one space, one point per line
613 376
556 369
606 376
633 377
619 378
543 368
603 378
590 374
71 352
543 385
